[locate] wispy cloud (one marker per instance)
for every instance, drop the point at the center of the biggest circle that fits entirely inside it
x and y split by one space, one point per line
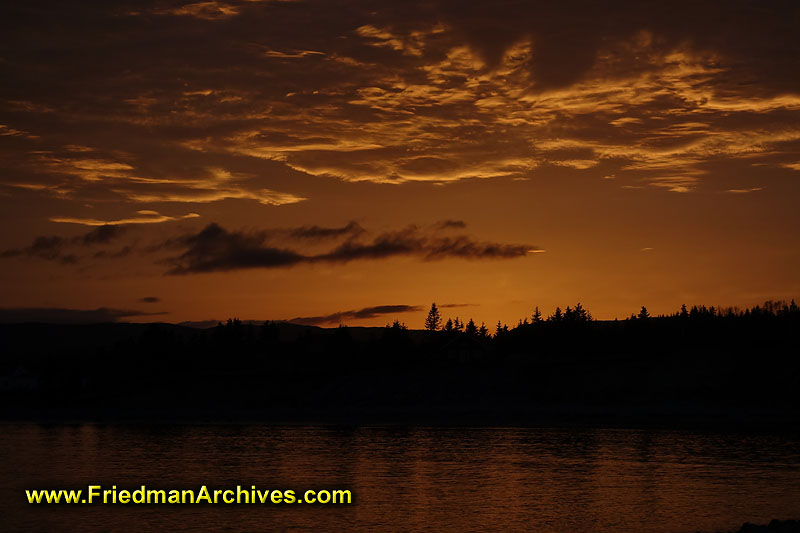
745 191
147 217
451 224
294 54
55 315
210 10
429 92
103 234
53 247
317 232
412 241
45 247
216 249
367 312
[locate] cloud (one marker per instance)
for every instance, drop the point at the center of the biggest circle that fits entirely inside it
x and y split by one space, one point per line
150 299
448 224
147 217
216 249
221 185
103 234
411 241
294 54
745 191
274 94
210 10
52 247
44 247
53 315
367 312
317 232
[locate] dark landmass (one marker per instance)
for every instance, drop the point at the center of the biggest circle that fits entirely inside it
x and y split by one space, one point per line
698 368
775 526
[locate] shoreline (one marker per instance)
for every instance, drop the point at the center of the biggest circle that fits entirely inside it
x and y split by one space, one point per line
731 421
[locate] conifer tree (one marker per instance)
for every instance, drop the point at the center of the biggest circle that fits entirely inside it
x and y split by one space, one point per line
434 319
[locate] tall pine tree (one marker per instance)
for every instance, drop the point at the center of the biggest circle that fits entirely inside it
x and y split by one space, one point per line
434 319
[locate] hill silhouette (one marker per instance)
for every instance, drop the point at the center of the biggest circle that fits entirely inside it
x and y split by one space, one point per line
697 366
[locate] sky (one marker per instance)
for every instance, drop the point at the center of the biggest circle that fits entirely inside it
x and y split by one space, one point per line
353 161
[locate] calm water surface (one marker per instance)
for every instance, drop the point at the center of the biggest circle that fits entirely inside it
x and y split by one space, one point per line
407 479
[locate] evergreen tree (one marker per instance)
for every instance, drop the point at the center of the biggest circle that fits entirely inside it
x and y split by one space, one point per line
582 314
643 314
448 326
434 320
483 331
471 328
537 315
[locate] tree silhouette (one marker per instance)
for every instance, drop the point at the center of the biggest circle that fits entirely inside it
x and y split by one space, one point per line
537 315
751 349
576 314
448 326
471 328
581 313
434 319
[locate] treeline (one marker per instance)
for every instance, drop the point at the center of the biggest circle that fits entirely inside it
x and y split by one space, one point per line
580 315
695 360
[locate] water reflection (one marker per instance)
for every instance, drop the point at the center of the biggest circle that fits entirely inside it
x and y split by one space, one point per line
448 479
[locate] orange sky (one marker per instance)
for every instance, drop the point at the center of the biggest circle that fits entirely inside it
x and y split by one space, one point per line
289 159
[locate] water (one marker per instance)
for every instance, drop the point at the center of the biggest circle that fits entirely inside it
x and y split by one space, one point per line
406 479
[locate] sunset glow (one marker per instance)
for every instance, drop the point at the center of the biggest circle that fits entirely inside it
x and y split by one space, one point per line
352 162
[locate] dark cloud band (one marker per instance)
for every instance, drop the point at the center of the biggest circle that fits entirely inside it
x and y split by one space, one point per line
365 313
52 315
216 249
